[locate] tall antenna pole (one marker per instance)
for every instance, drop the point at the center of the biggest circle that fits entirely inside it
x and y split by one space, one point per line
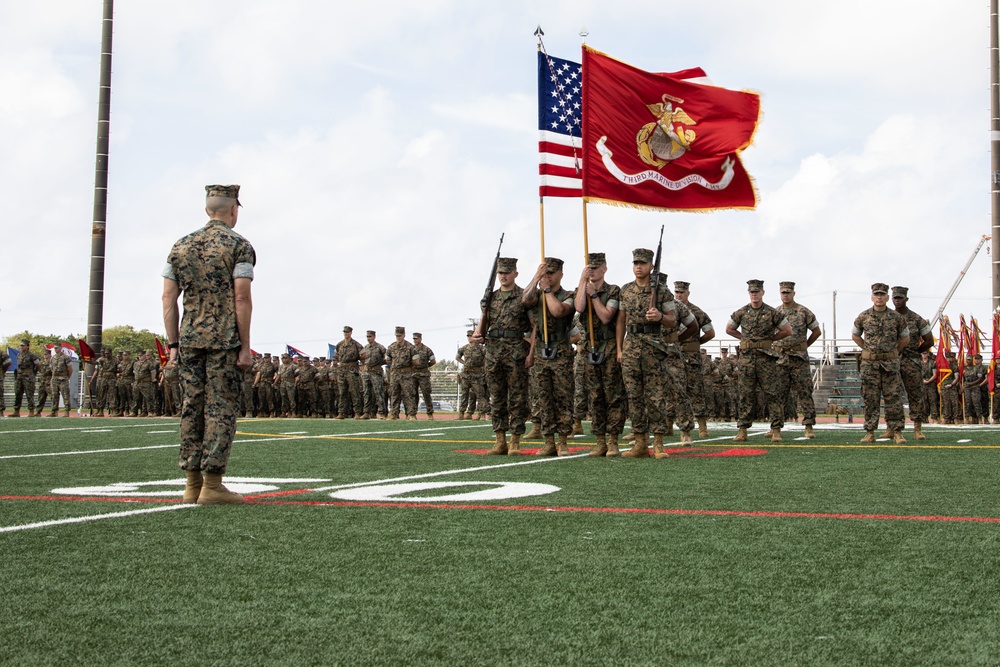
995 148
95 311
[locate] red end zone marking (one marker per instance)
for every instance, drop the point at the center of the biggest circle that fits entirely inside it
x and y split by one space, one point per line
675 452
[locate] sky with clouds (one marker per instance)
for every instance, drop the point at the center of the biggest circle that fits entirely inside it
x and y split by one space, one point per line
382 150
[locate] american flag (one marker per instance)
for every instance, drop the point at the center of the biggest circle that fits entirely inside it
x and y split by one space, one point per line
560 162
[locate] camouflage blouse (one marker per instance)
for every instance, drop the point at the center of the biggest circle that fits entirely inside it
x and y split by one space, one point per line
919 327
473 357
635 303
803 321
400 354
204 264
508 313
758 324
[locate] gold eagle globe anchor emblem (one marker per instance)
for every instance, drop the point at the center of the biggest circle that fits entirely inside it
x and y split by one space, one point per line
669 136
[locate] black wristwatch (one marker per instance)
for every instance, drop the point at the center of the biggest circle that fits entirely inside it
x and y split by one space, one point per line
595 295
547 290
173 346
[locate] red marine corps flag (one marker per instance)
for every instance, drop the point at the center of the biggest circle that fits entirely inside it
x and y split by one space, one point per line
660 142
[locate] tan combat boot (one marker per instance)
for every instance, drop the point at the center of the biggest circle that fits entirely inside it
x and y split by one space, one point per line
897 438
686 438
430 416
549 448
477 417
741 434
500 447
65 412
869 438
192 489
809 433
702 427
630 437
670 427
886 435
640 448
535 433
601 448
775 435
577 427
54 413
514 449
613 446
658 447
389 418
918 432
214 493
16 413
562 449
461 416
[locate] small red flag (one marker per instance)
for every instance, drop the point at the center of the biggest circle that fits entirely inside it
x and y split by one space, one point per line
996 351
944 345
86 352
660 142
161 350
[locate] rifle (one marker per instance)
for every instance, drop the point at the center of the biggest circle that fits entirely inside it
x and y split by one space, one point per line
654 277
484 324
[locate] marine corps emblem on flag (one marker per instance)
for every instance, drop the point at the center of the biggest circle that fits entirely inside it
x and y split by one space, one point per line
669 137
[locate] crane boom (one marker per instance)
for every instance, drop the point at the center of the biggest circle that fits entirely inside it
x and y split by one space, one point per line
958 281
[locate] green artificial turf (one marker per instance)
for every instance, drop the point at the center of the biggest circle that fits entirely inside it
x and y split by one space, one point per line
741 560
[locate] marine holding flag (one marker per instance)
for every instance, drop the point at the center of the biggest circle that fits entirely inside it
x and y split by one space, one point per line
661 142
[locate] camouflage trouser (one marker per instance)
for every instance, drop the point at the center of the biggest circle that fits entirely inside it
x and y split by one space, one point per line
123 395
678 408
44 385
373 388
3 399
880 380
580 398
247 397
973 406
173 390
305 398
286 392
324 393
555 384
265 402
463 394
507 381
105 393
695 383
60 389
912 376
24 386
932 401
644 373
144 397
401 390
950 408
349 388
474 394
208 419
606 393
798 376
759 372
728 401
534 402
422 385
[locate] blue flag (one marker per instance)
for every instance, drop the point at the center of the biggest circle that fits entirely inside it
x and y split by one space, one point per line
12 353
331 350
295 352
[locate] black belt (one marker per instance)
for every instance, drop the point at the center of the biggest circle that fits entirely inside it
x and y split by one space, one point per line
505 333
643 328
603 335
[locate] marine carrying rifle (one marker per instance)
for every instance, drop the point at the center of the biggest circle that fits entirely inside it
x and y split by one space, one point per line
484 324
655 276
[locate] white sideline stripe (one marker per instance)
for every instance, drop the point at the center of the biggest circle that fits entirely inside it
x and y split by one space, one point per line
78 428
95 517
93 451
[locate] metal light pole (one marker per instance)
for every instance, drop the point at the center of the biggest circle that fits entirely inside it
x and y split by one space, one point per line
995 148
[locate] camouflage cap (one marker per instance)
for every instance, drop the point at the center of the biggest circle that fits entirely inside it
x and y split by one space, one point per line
231 191
755 285
787 285
370 332
880 288
48 350
596 260
978 356
898 290
347 329
400 331
723 349
553 264
642 255
285 355
469 332
949 353
267 354
506 264
681 286
417 335
25 342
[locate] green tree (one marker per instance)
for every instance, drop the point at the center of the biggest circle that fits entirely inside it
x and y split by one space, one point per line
125 337
39 341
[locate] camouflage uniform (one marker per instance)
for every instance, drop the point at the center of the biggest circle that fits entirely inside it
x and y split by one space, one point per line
910 369
678 407
794 359
144 370
973 375
60 370
710 373
248 398
265 389
324 388
373 379
506 353
171 379
126 382
5 363
644 357
603 382
880 379
472 356
423 359
285 384
305 387
555 375
758 364
44 382
106 370
205 265
695 374
348 358
951 408
932 402
727 372
27 365
580 399
399 355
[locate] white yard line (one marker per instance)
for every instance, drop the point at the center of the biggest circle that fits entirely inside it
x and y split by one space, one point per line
95 517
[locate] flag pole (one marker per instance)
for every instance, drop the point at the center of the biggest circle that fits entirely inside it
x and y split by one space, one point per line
593 358
542 306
